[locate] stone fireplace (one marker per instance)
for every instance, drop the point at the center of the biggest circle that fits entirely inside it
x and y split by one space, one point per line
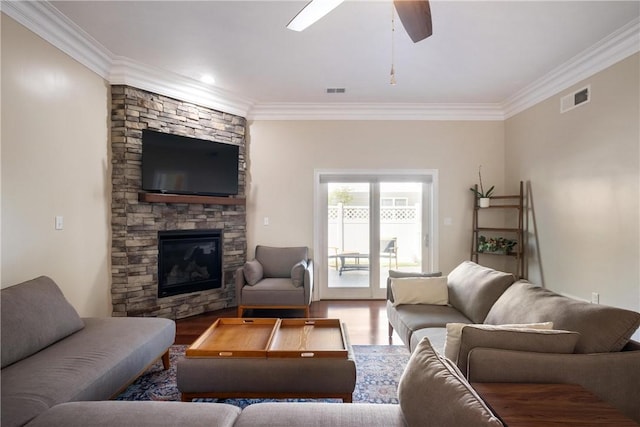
139 223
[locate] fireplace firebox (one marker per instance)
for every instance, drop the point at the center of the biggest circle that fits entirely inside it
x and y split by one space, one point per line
189 261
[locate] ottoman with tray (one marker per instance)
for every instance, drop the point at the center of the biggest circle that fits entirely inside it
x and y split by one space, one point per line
269 358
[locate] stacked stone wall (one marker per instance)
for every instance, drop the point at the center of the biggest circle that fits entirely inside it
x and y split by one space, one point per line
135 224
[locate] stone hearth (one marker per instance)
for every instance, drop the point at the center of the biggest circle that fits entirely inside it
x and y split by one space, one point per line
135 224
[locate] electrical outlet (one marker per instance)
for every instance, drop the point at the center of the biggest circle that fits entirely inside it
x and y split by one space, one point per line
595 298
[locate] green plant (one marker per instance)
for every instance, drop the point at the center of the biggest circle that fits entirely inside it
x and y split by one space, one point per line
341 195
481 194
496 244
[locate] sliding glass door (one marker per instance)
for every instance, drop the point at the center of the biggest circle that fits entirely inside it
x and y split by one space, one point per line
367 224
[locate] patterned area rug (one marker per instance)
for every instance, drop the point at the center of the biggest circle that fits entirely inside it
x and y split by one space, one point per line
378 368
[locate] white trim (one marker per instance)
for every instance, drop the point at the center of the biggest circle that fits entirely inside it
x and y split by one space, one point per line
46 21
378 111
128 72
49 23
614 48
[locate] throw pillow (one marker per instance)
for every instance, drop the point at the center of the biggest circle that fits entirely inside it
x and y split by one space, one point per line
420 290
297 273
253 272
532 340
393 274
473 289
454 335
432 394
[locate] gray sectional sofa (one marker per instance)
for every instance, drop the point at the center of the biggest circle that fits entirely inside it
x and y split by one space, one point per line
594 350
431 392
50 355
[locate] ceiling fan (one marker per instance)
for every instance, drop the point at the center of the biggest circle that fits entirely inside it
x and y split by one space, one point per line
415 16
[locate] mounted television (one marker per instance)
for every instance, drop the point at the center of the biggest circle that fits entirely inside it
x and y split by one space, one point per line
182 165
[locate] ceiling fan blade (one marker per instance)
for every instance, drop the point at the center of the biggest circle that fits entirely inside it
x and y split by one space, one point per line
416 18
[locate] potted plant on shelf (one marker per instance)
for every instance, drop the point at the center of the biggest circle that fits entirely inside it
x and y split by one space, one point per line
496 245
484 197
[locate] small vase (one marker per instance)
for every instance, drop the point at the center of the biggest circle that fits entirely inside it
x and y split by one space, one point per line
485 202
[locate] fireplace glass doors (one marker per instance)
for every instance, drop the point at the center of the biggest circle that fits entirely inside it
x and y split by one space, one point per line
189 261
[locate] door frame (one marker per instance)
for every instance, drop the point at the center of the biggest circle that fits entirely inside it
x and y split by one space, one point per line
430 262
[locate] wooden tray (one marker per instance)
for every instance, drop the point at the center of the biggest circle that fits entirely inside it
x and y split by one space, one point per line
235 338
308 338
271 338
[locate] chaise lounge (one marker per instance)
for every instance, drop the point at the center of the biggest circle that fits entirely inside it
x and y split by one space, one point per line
50 355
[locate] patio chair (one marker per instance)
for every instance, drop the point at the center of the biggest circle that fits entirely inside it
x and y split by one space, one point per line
389 250
278 278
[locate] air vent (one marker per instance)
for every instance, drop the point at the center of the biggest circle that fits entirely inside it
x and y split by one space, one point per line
336 90
575 99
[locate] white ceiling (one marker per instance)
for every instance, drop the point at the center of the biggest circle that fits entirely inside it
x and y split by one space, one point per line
480 52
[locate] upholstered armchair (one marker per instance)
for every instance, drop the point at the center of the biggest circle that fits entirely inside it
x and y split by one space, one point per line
278 278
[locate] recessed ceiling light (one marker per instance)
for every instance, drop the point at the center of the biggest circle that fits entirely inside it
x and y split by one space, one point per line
207 79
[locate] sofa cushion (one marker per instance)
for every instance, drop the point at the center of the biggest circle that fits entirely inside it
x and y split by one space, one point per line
297 273
602 328
273 291
277 262
454 335
142 414
407 318
35 314
534 340
420 290
320 414
431 393
473 289
253 272
436 336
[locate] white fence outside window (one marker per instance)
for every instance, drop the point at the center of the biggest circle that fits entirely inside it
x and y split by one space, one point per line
349 229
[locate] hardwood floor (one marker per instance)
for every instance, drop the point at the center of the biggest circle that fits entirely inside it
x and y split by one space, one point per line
366 320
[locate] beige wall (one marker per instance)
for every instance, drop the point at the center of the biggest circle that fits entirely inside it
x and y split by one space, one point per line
583 170
582 166
54 162
284 154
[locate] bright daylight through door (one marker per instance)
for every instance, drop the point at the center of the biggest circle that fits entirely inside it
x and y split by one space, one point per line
370 227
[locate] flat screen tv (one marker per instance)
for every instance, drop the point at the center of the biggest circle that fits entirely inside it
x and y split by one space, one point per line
181 165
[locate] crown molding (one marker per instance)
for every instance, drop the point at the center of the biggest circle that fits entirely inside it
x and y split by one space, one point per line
46 21
49 23
125 71
375 111
614 48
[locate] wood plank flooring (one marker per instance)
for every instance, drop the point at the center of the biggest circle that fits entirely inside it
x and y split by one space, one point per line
366 320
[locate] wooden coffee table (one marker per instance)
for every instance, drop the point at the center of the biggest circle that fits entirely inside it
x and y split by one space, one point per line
532 405
269 358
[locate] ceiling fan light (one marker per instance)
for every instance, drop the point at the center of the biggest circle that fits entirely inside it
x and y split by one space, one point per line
311 13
